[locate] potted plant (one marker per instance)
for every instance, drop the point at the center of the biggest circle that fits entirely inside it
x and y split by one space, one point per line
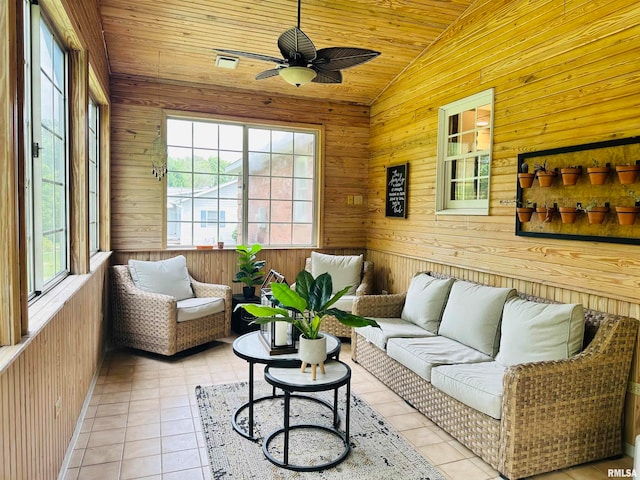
568 214
571 174
545 214
525 212
305 308
597 174
250 270
627 215
524 177
545 175
596 214
628 173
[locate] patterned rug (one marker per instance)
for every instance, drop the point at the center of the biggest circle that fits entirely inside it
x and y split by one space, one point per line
377 451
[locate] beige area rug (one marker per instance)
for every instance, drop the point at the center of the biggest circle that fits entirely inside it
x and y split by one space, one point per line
377 450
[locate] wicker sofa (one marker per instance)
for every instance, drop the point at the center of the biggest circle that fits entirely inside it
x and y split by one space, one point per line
552 414
152 321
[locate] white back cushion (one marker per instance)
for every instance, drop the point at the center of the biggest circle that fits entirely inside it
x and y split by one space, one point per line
472 315
534 332
426 298
345 270
169 277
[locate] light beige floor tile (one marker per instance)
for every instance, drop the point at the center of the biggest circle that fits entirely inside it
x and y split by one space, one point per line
175 443
177 413
82 440
142 448
144 405
141 467
116 387
112 409
142 432
439 453
103 471
463 470
109 423
76 458
106 437
174 401
182 460
145 394
143 418
102 454
406 421
191 474
421 436
114 397
176 427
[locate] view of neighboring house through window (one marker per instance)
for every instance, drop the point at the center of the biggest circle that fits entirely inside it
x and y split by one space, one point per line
94 153
46 174
240 183
464 155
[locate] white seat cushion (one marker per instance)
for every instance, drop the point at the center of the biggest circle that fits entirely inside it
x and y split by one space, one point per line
478 385
168 277
422 354
535 332
426 298
345 270
390 328
472 315
345 303
192 308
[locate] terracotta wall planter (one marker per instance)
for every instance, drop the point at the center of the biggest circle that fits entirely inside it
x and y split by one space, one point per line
570 175
545 179
627 174
545 214
596 215
627 215
524 213
568 214
598 175
526 179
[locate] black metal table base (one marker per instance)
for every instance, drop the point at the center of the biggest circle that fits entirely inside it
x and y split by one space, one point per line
284 463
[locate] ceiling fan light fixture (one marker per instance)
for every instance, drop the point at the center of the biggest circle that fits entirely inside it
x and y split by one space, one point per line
297 75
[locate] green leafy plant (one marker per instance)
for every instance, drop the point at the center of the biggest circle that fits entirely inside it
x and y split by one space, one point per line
250 270
306 306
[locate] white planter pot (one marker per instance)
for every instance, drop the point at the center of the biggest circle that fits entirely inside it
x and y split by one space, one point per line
313 351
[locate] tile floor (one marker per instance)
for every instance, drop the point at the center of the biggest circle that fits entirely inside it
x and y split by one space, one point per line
143 423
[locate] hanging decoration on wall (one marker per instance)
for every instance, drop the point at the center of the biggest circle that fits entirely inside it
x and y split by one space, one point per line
158 150
396 198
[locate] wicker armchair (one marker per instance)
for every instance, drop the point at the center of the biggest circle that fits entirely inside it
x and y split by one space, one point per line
148 321
331 324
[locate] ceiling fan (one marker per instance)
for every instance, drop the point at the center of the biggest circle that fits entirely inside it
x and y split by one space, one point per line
302 63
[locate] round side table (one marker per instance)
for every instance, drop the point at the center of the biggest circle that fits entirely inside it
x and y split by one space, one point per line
290 380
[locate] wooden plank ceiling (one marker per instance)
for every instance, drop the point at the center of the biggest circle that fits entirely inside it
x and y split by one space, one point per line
174 40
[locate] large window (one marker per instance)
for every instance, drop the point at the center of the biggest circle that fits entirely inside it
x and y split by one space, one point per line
464 155
94 173
240 183
47 171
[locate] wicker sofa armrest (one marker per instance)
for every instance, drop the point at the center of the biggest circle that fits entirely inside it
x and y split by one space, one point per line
379 306
202 289
366 284
576 403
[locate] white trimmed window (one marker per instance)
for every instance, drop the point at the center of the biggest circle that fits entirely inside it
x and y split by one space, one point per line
240 184
94 173
465 137
47 147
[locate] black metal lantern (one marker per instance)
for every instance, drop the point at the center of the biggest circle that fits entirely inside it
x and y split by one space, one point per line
278 337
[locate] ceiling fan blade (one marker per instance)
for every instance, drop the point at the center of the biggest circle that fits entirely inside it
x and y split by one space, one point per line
339 58
327 76
268 73
254 56
296 47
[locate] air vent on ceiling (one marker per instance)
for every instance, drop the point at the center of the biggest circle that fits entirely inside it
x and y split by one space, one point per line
226 62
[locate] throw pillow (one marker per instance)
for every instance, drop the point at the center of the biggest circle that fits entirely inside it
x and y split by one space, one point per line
345 270
472 315
426 298
535 332
168 277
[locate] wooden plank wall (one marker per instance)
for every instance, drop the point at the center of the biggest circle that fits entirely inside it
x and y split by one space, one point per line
564 73
220 266
58 362
137 197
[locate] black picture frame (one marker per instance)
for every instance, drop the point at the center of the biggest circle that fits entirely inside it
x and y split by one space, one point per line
396 190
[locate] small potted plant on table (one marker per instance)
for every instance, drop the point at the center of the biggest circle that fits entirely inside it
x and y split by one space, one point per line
305 308
250 271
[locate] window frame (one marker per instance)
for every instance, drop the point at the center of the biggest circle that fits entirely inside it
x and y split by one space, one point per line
243 229
37 283
93 131
445 205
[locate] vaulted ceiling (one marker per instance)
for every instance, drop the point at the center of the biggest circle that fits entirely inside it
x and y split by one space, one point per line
175 39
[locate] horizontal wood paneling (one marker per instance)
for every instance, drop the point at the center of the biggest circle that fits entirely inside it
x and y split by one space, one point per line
564 73
220 266
58 362
137 203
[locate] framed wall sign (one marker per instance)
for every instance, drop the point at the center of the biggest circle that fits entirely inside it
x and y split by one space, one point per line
397 183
